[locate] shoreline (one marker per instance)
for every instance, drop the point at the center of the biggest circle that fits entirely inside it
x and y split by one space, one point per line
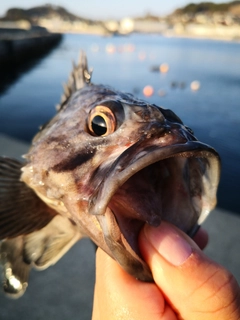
18 45
166 34
213 38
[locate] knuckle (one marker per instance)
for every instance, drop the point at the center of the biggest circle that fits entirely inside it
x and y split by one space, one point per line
222 294
217 295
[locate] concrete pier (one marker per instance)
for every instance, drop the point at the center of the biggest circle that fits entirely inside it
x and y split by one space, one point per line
17 46
65 291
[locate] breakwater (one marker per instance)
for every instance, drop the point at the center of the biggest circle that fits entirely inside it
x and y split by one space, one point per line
17 46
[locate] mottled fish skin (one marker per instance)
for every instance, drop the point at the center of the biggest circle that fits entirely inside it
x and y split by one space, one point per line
144 167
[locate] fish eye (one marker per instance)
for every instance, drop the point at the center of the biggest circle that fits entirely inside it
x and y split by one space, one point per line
101 121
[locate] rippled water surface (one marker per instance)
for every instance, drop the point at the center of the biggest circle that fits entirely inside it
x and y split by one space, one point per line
213 111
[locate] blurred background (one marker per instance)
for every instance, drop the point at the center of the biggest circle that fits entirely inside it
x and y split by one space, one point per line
184 57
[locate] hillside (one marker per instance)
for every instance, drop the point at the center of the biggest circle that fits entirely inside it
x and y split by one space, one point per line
208 7
53 18
47 11
204 20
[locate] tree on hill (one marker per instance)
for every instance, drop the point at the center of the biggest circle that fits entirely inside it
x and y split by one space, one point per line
33 14
203 7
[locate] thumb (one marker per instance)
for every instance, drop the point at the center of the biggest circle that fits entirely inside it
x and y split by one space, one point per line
194 286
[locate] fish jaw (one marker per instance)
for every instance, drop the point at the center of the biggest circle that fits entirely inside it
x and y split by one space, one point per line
183 179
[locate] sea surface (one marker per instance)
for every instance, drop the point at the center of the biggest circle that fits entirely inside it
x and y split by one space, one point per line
126 63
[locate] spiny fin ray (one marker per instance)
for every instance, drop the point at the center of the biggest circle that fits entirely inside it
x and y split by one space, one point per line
79 78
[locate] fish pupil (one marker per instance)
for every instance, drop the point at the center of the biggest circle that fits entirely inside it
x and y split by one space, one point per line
99 125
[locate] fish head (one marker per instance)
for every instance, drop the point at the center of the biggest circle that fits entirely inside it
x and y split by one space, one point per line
112 163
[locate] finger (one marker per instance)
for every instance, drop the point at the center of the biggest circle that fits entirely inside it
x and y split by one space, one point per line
118 295
195 286
201 238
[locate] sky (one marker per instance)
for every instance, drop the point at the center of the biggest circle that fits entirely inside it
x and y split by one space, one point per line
104 9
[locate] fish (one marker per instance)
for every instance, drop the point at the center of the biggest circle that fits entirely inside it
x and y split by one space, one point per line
104 166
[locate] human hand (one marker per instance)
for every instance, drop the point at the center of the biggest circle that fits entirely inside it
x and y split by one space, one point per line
188 285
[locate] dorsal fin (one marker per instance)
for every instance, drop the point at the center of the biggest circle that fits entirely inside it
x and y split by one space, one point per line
79 77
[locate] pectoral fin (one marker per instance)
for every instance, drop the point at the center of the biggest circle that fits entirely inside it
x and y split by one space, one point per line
46 246
21 210
33 234
39 249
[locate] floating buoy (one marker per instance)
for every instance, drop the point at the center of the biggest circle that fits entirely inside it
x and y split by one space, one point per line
174 84
148 91
155 69
195 85
129 47
136 90
182 85
110 48
164 68
142 56
161 92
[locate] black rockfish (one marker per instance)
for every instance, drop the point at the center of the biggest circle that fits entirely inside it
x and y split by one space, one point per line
105 165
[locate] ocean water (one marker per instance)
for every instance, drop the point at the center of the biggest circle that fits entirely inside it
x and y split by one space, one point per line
213 111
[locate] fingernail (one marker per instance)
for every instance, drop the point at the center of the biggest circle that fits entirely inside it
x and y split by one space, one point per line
169 243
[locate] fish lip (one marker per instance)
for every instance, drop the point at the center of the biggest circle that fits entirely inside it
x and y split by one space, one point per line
98 202
130 259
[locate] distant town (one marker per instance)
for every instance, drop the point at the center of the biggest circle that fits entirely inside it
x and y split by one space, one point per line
203 20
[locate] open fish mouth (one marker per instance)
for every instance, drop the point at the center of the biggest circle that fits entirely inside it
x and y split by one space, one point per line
175 183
